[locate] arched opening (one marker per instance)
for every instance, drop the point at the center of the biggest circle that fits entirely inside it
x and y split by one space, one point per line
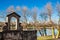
13 23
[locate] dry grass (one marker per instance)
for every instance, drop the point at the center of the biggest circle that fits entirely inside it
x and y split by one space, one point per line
45 38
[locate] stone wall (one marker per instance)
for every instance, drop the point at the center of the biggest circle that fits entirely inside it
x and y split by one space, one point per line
18 35
30 35
12 35
1 36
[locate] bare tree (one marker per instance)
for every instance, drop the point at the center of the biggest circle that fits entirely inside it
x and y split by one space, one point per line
58 9
10 9
18 8
48 13
34 14
24 14
44 16
49 10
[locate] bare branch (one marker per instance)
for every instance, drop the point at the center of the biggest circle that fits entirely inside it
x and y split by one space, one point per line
10 9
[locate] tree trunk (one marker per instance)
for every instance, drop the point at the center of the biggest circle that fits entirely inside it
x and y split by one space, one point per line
45 31
58 35
53 32
40 32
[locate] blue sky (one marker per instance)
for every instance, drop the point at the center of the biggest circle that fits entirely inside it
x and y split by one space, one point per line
4 4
